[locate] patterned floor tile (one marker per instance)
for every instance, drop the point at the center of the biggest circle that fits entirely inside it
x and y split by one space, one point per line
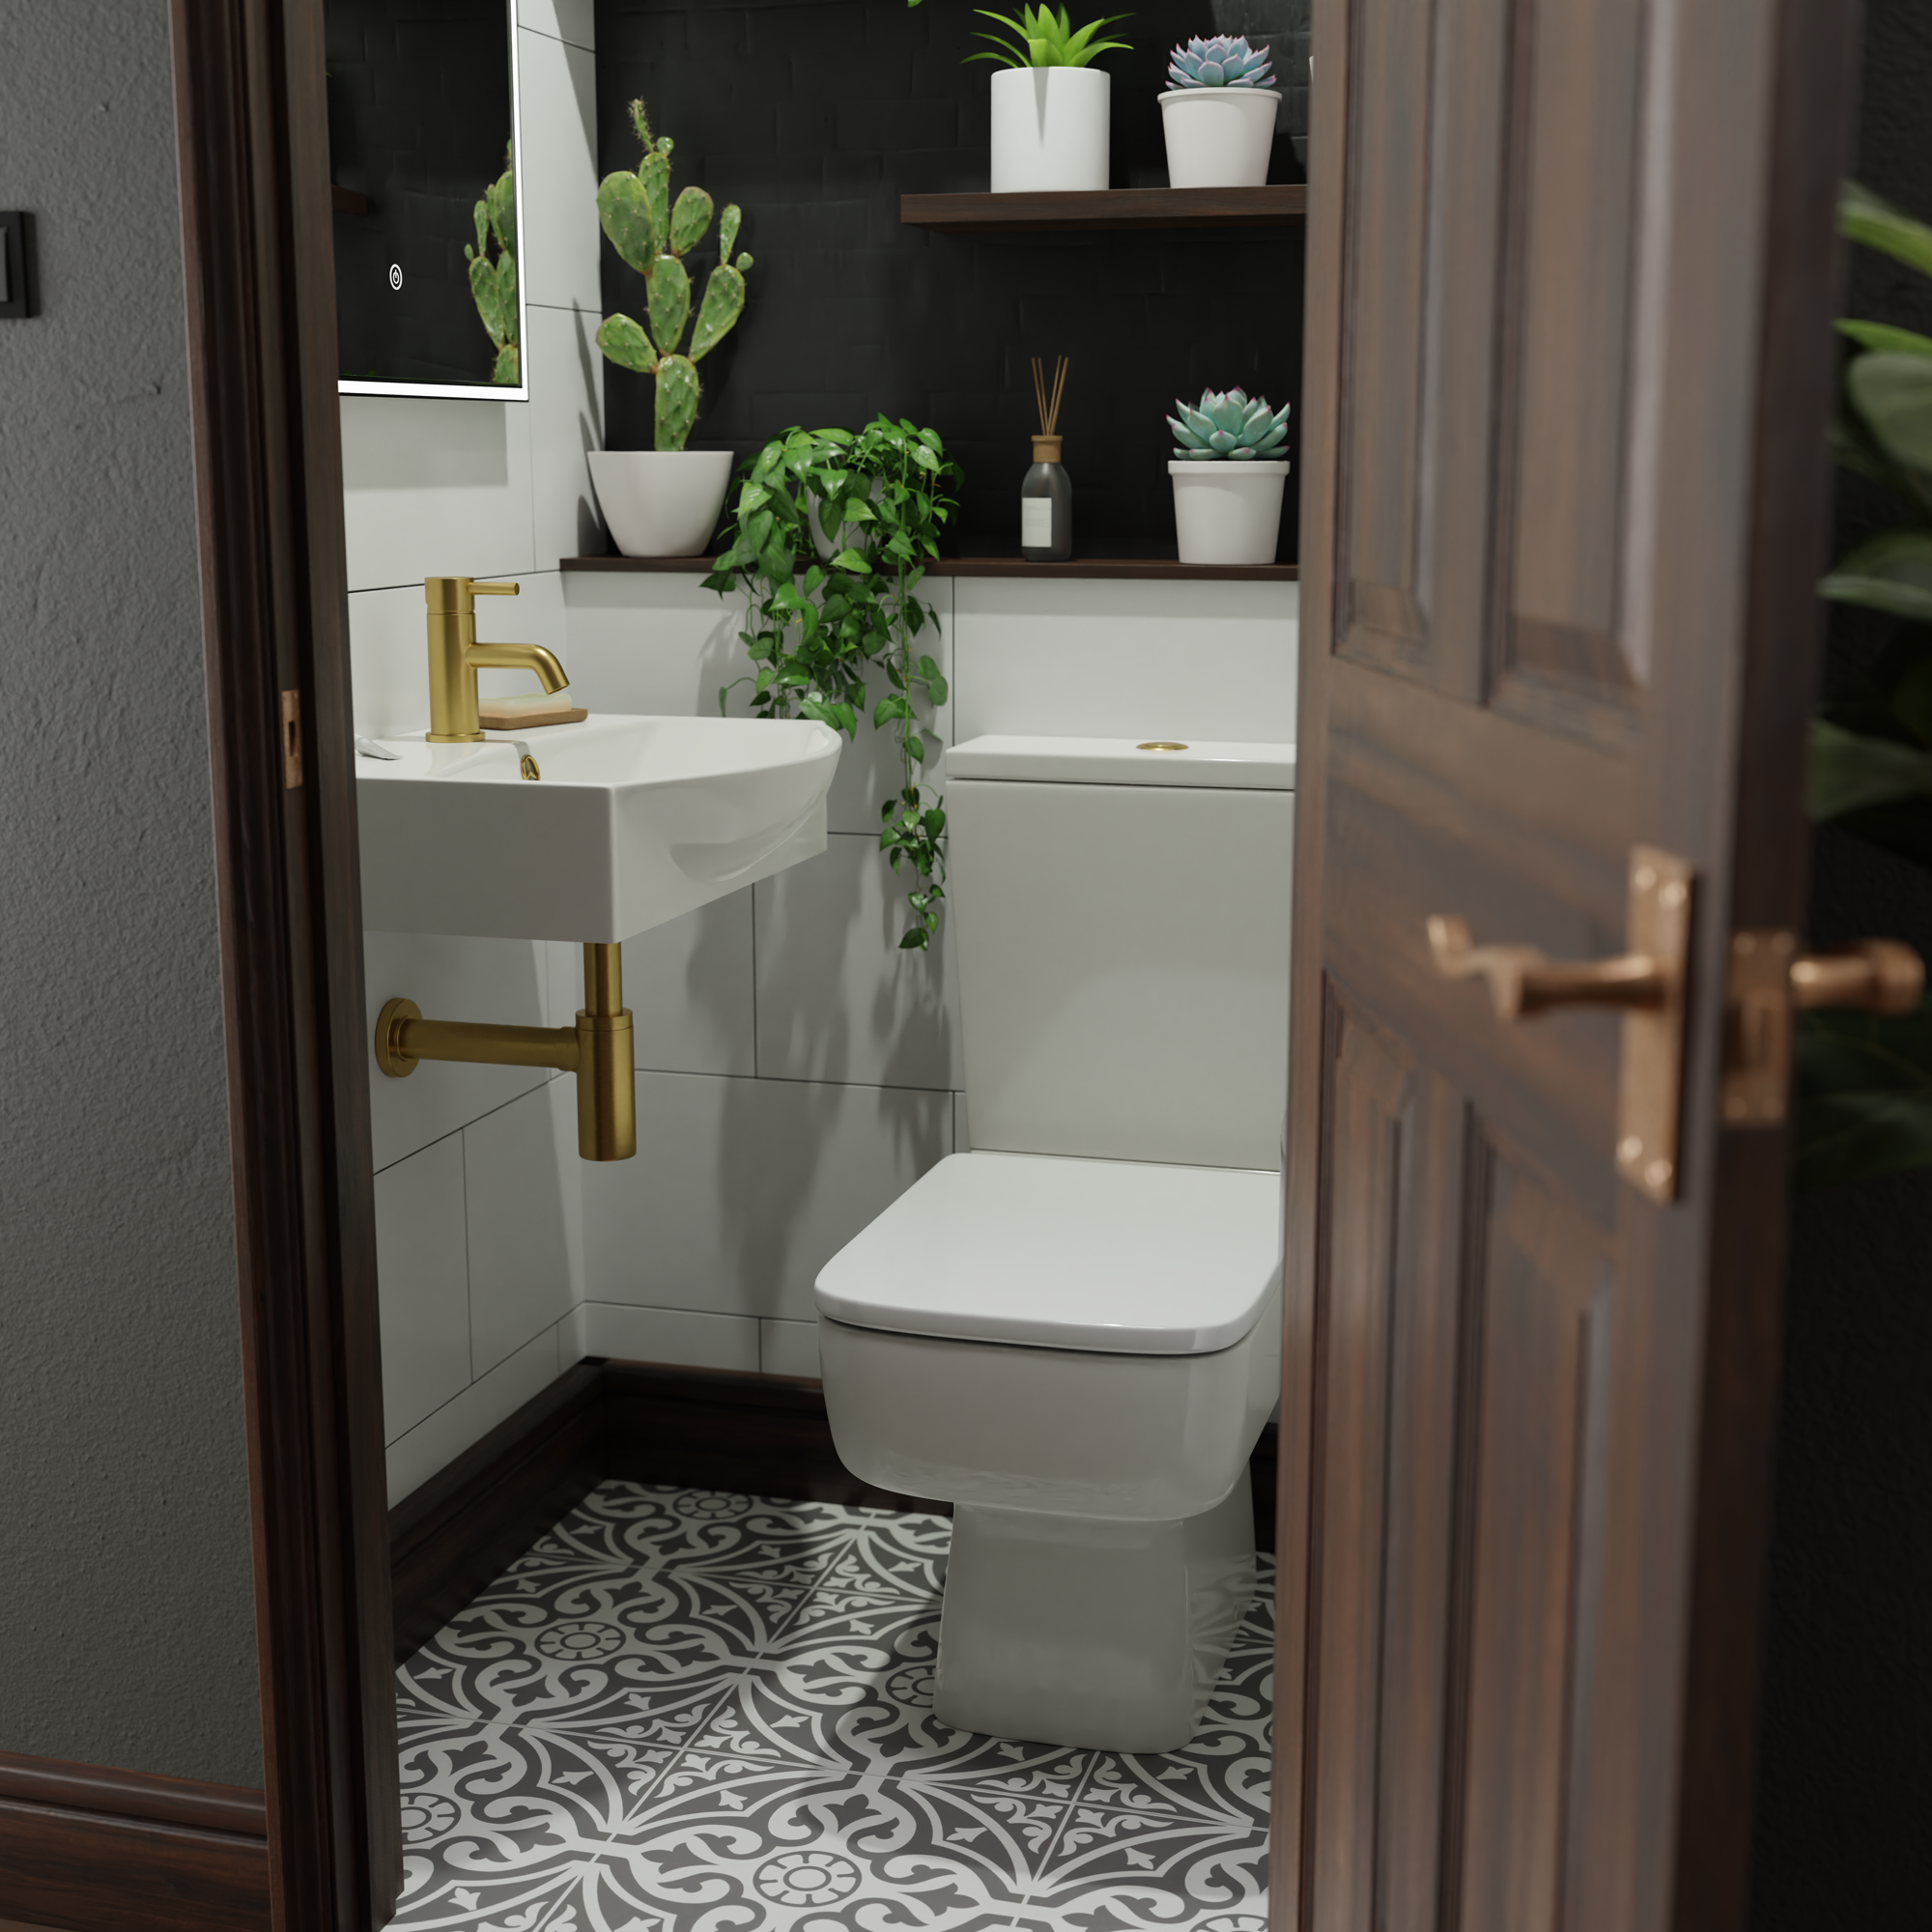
849 1684
1112 1866
684 1711
762 1848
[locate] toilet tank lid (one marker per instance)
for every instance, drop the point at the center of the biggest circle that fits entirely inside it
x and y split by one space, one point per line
1156 759
1115 1256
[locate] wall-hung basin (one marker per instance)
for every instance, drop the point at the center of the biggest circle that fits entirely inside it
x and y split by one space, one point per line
631 822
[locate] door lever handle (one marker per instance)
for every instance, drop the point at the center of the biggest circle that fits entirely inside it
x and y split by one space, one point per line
1645 984
1769 980
1523 981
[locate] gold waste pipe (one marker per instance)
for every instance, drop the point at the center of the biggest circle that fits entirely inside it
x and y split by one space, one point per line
597 1049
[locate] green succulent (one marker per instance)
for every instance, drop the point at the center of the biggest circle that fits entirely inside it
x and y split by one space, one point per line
1047 38
493 285
1229 426
653 234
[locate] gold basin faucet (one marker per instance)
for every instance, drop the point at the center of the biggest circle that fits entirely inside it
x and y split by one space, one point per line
455 657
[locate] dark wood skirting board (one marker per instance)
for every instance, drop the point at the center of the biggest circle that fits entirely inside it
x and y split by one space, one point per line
83 1847
1097 568
646 1422
1276 206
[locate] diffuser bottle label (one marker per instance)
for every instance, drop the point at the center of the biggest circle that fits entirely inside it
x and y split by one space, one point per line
1036 523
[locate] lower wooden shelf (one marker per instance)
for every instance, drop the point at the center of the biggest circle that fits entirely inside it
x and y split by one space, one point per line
1116 567
1276 206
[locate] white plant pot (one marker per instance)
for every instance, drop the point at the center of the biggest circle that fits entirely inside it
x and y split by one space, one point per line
1227 512
1218 136
1050 129
661 503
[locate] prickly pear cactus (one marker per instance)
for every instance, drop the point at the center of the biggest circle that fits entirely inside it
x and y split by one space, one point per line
652 234
493 285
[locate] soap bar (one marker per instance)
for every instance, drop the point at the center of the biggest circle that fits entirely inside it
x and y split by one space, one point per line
515 714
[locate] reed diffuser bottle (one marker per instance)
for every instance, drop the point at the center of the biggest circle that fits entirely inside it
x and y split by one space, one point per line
1046 497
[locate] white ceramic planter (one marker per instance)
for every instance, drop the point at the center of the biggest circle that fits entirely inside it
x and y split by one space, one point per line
1050 129
661 503
1227 512
1218 136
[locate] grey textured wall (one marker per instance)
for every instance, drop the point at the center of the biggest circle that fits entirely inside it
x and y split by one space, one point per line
1845 1784
127 1616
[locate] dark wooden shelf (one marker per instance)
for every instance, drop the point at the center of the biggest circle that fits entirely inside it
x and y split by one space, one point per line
1270 207
1115 567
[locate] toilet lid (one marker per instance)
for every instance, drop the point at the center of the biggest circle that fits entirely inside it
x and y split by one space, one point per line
1117 1256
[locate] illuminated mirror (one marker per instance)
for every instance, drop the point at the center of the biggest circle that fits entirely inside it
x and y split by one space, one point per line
422 120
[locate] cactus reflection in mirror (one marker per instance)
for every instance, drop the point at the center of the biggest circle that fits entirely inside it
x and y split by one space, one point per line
493 285
653 234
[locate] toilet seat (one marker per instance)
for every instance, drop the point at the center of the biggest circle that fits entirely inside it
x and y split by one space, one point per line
1052 1252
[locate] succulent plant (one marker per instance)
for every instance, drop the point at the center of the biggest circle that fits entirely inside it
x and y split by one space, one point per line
1047 39
1222 62
493 285
653 234
1227 426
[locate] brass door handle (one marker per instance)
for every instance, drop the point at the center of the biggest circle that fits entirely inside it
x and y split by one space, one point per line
1645 984
1523 981
1769 980
1879 976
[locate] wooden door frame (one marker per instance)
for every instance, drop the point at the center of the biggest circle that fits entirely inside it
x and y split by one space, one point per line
252 126
1811 126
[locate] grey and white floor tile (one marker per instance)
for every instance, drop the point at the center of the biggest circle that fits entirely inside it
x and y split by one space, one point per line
685 1711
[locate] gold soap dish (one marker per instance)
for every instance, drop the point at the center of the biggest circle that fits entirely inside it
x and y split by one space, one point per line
517 714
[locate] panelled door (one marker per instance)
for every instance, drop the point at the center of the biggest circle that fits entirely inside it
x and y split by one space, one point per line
1569 369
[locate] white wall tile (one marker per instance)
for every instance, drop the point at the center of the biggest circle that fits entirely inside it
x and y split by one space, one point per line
435 486
744 1189
566 407
525 1194
688 984
838 1000
652 643
1102 659
422 1284
440 1438
572 20
789 1348
558 179
962 1139
449 979
679 1335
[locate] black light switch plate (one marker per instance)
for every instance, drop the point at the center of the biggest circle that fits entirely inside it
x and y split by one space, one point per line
16 265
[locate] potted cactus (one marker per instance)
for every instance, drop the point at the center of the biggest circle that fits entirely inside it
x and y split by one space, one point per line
1228 478
1219 114
1051 105
664 501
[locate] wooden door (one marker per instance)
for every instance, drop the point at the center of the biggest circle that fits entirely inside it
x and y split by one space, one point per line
1564 487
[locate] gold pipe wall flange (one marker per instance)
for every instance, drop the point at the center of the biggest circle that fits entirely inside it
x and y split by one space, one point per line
389 1056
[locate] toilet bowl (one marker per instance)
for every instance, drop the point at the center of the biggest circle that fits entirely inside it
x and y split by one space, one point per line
1071 1333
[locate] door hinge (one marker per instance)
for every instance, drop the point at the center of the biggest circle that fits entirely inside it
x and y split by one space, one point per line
292 740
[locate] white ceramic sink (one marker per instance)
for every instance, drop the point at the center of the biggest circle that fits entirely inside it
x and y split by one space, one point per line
632 821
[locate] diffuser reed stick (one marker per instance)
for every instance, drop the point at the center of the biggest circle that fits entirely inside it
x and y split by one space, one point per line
1049 413
1046 495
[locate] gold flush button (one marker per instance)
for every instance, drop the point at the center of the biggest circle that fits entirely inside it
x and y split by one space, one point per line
1160 745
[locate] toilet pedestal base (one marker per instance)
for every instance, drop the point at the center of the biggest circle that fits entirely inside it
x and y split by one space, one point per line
1083 1630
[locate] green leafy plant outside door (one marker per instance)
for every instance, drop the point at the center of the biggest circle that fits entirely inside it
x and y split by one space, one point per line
1864 1082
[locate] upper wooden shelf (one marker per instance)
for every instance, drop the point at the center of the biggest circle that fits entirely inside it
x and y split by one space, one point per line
1116 567
1270 207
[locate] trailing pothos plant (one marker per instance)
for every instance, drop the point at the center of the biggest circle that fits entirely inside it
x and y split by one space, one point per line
1864 1082
820 631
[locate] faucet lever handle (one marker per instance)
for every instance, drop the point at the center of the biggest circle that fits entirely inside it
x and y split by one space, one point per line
496 589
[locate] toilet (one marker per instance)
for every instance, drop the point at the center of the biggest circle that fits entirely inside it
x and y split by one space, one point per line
1072 1333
